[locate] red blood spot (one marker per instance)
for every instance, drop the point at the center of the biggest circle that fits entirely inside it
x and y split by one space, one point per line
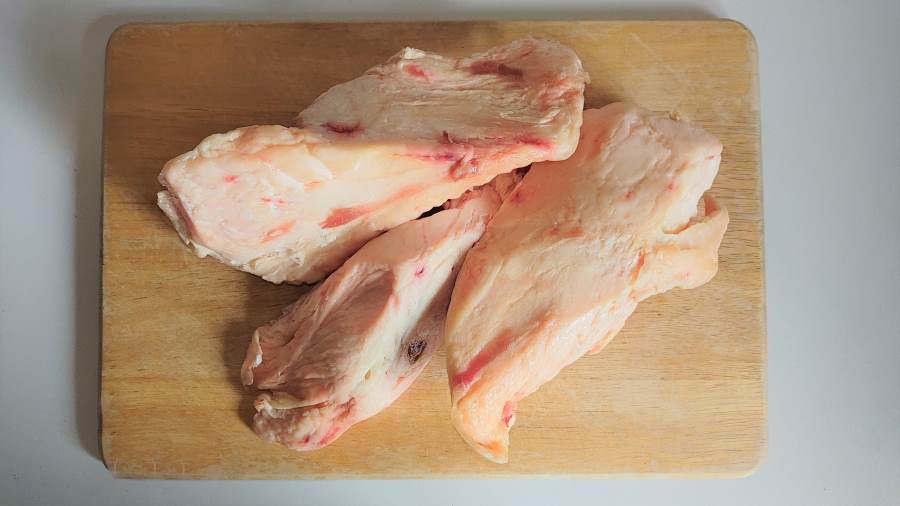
558 92
402 194
318 405
572 232
420 271
638 266
230 178
463 168
416 71
278 201
569 233
532 140
508 412
306 439
670 186
341 412
491 67
629 195
494 348
571 92
712 157
343 215
342 128
331 435
347 407
277 231
444 156
517 197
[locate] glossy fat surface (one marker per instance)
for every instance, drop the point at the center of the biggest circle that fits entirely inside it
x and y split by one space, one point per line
355 343
570 254
291 203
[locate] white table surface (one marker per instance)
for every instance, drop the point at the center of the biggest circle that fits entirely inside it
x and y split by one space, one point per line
830 86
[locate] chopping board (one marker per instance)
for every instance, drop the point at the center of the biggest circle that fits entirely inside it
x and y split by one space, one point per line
679 392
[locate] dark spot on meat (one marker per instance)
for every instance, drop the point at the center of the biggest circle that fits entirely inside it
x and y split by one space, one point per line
420 271
433 210
504 70
183 215
341 128
415 350
491 67
446 138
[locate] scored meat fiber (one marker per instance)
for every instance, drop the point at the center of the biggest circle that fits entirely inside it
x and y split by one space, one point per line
350 347
569 255
292 203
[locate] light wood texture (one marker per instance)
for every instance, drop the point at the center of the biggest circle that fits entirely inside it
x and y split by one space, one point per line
681 390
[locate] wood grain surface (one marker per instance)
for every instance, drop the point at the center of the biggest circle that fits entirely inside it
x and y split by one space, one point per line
680 391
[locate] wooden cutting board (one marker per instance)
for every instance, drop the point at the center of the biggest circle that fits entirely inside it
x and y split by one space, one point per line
680 391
